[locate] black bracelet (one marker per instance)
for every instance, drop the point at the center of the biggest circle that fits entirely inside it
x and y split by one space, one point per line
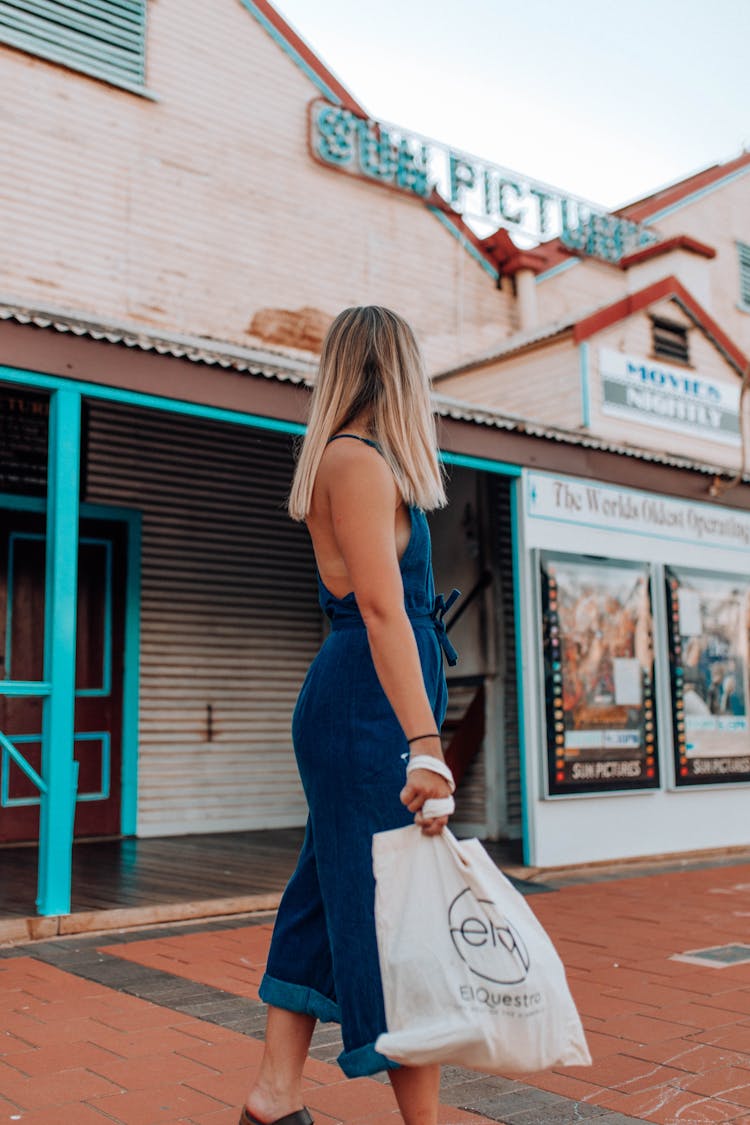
419 737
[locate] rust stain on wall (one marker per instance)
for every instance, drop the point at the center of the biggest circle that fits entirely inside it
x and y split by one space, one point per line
292 328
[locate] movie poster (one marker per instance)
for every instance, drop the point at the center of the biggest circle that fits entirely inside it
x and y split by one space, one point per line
599 674
709 631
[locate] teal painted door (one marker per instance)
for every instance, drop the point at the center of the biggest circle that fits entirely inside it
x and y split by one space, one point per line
99 668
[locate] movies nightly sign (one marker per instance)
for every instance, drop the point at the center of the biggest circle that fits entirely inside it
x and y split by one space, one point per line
641 390
476 188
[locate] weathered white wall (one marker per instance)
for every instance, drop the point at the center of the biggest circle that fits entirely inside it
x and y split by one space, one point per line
543 383
195 211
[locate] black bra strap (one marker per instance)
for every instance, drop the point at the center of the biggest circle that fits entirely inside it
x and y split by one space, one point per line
367 441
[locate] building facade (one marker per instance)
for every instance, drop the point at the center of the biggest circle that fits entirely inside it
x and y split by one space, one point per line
175 250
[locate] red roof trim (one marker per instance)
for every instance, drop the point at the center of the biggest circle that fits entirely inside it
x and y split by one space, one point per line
499 246
305 52
666 289
524 260
678 242
502 251
643 208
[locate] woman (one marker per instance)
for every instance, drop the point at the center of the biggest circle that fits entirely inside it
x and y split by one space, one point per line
376 691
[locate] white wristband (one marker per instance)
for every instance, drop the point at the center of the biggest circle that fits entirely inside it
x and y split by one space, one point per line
435 765
437 806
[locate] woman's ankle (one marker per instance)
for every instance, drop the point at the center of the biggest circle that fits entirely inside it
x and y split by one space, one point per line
269 1103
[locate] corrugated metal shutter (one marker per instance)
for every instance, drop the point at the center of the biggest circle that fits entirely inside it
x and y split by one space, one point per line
503 536
104 38
229 619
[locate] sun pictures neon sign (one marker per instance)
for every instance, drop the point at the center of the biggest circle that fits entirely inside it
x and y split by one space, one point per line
476 188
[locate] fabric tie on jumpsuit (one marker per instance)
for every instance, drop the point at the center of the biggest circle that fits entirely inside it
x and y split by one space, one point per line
352 755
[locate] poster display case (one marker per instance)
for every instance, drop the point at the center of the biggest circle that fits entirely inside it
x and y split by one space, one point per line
598 658
709 636
24 420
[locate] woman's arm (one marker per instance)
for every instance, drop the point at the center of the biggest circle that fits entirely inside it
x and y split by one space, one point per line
363 497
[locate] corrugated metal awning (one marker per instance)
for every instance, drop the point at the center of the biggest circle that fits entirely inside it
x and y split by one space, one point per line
466 412
292 366
274 363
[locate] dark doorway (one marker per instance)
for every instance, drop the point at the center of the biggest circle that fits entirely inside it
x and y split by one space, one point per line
99 671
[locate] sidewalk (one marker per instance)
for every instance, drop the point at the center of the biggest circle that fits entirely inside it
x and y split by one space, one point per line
163 1027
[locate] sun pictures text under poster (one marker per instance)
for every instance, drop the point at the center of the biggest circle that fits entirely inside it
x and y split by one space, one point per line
599 674
709 635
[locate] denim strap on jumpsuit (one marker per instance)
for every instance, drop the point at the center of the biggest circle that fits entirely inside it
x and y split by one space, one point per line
351 753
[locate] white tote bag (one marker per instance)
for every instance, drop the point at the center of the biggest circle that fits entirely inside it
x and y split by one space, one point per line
469 975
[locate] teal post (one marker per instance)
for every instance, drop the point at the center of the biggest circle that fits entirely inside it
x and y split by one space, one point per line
129 806
60 610
518 578
585 384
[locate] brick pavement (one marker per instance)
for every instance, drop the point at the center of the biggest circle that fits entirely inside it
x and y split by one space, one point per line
76 1052
670 1040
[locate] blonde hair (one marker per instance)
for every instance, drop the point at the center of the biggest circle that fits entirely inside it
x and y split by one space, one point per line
370 359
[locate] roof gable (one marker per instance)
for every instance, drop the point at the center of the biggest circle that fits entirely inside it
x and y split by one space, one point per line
681 191
323 78
669 288
583 326
302 54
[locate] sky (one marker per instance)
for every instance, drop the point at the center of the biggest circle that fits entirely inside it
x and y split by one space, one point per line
604 100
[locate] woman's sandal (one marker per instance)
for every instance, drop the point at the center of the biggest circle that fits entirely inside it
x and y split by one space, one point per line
299 1117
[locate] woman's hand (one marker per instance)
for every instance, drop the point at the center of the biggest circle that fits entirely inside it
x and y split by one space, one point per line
420 787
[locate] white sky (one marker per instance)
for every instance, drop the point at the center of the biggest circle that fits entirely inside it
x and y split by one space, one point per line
604 100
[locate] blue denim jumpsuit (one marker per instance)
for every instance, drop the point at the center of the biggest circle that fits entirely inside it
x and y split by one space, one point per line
352 754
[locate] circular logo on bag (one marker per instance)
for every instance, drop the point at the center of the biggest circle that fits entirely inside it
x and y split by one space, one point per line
493 950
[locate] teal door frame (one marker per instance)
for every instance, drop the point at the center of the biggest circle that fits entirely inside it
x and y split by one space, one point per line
57 779
58 776
132 647
57 783
59 769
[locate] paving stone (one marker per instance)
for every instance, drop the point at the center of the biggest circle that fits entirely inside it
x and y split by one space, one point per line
618 1119
84 1115
567 1113
169 995
458 1075
235 1020
158 1106
458 1093
499 1104
207 1006
350 1097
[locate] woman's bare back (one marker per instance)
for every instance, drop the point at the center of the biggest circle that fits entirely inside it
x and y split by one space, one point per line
357 457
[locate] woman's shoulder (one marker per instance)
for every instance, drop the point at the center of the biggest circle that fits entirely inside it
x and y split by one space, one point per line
347 463
348 441
343 449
